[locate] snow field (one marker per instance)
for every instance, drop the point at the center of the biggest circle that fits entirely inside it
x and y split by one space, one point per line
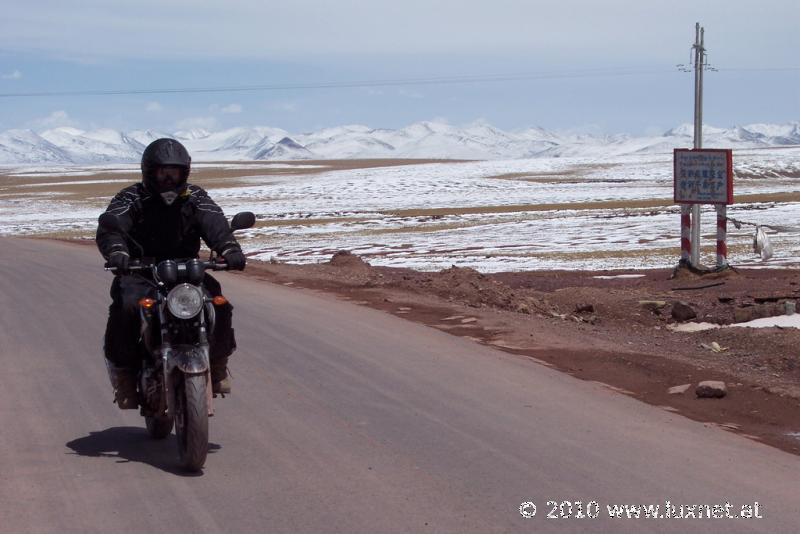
490 215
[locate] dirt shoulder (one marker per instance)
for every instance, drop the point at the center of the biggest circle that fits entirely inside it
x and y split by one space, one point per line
600 327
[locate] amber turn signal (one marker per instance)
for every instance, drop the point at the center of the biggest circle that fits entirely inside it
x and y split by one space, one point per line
147 303
219 300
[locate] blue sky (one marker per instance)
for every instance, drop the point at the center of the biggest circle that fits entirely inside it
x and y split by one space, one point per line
592 66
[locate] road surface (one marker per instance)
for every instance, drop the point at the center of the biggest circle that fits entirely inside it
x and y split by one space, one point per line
342 419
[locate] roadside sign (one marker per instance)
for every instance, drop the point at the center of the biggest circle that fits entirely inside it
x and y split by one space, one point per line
703 176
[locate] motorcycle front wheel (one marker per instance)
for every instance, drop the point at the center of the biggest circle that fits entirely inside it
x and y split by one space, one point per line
191 421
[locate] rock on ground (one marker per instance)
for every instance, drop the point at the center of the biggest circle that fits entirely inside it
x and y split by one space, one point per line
710 389
683 312
679 390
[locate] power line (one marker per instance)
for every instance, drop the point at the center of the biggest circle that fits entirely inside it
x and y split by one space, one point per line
758 69
436 80
441 80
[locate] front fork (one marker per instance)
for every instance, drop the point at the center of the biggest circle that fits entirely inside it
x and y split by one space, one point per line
186 359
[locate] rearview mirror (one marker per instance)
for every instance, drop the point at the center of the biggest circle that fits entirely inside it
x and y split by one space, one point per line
242 220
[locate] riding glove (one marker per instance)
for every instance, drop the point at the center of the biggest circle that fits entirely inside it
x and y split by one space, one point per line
119 260
235 259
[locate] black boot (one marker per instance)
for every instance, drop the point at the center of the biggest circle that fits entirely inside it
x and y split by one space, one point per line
123 380
220 380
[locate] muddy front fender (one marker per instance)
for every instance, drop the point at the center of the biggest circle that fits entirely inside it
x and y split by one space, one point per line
189 359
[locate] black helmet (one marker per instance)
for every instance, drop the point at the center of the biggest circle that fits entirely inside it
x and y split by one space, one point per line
162 152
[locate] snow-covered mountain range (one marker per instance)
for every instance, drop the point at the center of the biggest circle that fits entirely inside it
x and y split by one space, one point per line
419 140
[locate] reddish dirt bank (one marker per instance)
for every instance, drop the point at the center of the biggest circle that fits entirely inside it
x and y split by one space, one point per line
611 330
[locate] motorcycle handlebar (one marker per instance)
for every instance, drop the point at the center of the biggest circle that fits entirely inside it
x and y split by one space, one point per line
216 265
136 265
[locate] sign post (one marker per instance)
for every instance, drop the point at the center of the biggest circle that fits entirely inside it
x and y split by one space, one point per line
703 176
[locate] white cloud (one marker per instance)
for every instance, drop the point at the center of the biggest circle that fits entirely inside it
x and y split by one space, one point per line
15 75
153 106
232 108
56 119
202 123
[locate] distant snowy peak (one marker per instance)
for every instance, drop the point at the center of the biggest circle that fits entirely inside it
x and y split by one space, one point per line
194 133
284 149
95 146
750 136
427 139
64 130
26 146
145 137
684 130
789 130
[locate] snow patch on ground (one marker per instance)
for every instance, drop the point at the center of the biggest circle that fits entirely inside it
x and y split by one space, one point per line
779 321
602 277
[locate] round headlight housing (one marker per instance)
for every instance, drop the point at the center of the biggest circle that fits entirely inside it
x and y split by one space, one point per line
185 301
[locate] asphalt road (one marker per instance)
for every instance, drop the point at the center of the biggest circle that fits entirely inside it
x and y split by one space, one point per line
343 419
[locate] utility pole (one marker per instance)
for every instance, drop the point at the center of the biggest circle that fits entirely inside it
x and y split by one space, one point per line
702 176
699 64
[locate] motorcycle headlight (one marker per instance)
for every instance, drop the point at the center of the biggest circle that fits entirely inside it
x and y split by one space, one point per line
185 301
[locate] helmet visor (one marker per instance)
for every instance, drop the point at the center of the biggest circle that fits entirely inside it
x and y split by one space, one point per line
169 178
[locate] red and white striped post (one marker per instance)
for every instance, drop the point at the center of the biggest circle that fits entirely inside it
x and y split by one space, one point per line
722 236
686 232
702 176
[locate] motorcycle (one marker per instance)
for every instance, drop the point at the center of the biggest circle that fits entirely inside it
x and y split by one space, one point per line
174 383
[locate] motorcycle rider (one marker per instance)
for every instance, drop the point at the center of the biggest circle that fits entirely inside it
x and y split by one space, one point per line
164 217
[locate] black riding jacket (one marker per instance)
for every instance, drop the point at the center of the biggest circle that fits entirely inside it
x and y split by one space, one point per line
166 232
